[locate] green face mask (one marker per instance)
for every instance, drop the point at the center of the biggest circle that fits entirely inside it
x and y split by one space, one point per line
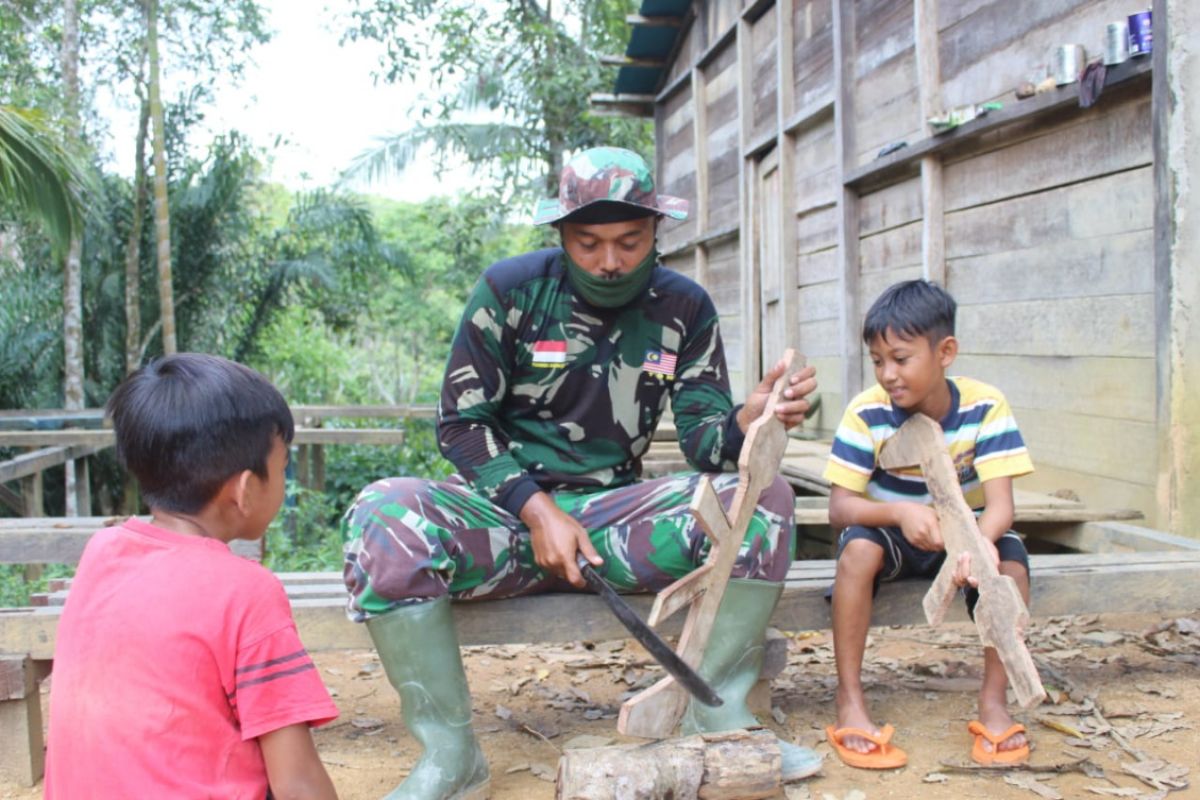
611 292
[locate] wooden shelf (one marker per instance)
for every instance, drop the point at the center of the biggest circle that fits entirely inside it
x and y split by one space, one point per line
905 162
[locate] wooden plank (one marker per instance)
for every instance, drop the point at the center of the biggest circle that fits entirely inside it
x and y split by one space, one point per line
14 501
810 513
61 540
765 92
105 437
1176 111
22 753
1104 536
747 195
42 459
1095 490
847 209
1120 326
1115 139
903 162
33 493
22 419
989 54
1112 388
893 206
1099 265
1154 582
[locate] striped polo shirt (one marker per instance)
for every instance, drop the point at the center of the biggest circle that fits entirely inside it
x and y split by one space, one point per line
981 434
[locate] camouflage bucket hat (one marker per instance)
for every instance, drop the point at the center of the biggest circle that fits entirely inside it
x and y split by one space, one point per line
607 175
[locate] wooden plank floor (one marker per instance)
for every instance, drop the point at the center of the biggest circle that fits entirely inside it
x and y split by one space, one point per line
1159 582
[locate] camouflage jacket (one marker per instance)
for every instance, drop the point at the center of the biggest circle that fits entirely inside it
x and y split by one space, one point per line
545 391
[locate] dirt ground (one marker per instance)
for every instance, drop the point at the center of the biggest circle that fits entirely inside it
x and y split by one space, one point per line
1125 701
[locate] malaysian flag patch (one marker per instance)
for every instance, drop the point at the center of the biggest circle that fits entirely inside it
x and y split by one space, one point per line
659 363
549 354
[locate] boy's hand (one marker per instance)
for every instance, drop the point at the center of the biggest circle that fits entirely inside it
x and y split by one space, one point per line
962 567
919 524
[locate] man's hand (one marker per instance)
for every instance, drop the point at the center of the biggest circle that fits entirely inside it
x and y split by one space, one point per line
557 537
919 524
791 408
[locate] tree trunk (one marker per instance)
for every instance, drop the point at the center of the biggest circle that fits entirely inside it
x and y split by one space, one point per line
133 250
72 279
723 766
162 219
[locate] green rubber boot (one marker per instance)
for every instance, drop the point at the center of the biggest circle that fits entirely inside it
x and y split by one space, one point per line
732 662
418 646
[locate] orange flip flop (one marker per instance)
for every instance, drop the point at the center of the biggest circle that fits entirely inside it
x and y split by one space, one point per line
981 756
885 756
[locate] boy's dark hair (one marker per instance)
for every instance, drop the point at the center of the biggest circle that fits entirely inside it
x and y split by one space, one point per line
186 423
911 309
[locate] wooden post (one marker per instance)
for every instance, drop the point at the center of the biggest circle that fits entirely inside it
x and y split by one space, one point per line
747 243
847 218
32 489
655 712
723 766
785 97
1000 614
1175 106
22 755
83 489
700 149
929 83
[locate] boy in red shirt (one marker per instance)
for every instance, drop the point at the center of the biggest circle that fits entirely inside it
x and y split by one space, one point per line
178 671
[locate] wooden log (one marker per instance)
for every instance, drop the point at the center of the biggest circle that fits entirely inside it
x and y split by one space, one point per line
739 764
1001 615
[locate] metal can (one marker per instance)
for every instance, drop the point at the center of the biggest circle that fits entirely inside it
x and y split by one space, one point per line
1068 63
1116 42
1141 38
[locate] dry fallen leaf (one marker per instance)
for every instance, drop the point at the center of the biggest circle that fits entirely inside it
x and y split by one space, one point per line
935 777
1158 774
1027 781
587 740
1061 727
367 723
502 712
542 771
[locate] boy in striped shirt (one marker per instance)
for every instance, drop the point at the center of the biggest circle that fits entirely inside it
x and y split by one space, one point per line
889 529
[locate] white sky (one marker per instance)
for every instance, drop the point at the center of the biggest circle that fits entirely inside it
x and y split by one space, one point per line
319 99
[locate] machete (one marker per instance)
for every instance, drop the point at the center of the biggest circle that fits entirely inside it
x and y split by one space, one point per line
675 666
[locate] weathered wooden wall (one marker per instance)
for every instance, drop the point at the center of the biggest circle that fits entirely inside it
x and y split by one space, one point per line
1043 228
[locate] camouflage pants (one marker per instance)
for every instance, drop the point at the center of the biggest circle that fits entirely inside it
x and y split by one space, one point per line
408 540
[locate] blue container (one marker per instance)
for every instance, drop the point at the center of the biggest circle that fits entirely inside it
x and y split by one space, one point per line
1141 39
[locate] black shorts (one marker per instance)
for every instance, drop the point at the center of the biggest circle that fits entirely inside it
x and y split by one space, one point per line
902 560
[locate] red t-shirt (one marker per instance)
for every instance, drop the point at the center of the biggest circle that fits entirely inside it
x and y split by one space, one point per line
172 656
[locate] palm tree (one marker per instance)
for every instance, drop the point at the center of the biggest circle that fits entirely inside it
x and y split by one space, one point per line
40 176
162 219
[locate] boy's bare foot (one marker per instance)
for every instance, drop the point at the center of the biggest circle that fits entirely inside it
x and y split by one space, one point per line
852 713
995 718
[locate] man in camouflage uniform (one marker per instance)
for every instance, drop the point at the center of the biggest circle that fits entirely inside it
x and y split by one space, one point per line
562 366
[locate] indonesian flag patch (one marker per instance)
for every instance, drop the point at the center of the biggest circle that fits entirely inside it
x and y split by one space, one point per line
549 354
659 363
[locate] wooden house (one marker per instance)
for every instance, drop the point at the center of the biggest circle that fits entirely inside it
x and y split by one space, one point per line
799 131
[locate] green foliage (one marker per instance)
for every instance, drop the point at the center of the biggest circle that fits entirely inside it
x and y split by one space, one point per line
40 177
530 72
16 586
306 534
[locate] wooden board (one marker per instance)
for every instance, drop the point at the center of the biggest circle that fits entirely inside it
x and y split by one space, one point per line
1155 582
105 437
